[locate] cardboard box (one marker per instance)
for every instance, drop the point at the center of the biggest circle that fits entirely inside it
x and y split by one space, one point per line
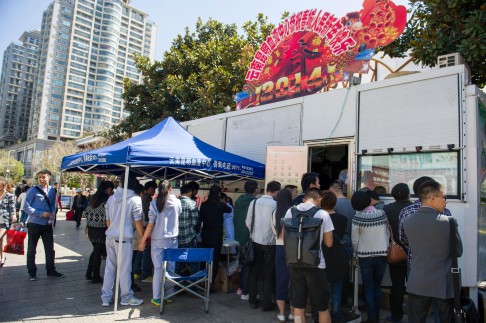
223 284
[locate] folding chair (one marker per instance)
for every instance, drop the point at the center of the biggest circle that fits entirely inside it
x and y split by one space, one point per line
190 283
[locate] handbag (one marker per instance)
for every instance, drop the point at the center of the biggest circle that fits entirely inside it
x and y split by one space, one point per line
395 252
15 242
465 310
70 215
247 253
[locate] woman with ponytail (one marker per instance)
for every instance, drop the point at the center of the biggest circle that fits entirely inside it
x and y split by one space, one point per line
164 225
212 218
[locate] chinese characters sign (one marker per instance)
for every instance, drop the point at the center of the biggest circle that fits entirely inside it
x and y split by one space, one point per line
313 51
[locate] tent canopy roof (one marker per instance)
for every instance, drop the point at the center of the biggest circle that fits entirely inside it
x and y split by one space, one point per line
166 150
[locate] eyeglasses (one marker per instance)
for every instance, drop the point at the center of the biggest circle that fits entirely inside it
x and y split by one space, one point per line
441 196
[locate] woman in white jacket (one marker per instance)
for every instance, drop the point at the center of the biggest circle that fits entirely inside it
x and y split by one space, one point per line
164 225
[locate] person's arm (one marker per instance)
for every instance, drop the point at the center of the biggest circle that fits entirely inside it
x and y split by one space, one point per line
401 231
139 228
355 232
328 241
148 231
11 206
249 214
459 247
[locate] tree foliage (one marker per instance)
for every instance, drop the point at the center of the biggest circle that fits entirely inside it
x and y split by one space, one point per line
439 27
15 168
197 77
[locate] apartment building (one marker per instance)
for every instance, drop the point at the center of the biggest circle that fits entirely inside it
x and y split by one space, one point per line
86 51
19 69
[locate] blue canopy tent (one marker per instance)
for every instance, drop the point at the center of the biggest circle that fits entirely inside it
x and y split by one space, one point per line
167 150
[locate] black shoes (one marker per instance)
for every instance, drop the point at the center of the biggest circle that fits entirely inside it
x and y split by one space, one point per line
254 305
55 274
97 280
32 278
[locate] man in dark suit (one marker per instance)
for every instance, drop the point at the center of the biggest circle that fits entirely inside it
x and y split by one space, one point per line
430 275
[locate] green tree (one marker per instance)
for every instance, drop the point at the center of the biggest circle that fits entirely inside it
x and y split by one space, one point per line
197 77
439 27
10 167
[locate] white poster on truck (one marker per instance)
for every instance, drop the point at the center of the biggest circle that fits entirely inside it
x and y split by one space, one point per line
286 164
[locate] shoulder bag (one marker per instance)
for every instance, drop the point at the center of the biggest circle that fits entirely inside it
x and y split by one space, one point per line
465 310
247 253
395 252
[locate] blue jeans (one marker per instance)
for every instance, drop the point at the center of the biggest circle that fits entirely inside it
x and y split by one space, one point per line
336 300
372 271
137 262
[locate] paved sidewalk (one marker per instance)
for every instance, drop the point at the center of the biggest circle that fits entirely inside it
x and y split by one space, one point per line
73 299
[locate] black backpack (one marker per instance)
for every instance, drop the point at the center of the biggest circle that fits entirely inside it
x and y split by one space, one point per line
302 235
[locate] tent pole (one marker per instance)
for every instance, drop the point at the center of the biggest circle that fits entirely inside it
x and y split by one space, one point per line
120 237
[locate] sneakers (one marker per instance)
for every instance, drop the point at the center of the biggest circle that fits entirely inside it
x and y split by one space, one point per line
137 276
239 291
169 299
32 278
132 302
290 317
281 318
155 301
55 274
147 280
106 303
245 297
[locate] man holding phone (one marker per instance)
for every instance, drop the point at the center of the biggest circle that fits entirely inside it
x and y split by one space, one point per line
40 205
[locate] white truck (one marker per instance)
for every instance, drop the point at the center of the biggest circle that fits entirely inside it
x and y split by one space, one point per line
386 132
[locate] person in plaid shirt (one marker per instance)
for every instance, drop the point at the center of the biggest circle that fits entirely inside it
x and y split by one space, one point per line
188 225
409 210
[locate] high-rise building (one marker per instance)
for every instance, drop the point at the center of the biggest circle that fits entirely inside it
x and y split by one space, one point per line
19 69
86 52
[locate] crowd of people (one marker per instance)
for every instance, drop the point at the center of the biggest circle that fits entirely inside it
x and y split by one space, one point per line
353 231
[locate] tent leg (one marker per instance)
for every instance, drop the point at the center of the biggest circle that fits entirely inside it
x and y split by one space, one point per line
120 237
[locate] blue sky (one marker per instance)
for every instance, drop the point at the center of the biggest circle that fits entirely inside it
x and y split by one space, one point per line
172 17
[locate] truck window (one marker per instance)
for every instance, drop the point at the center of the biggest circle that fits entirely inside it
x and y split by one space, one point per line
388 170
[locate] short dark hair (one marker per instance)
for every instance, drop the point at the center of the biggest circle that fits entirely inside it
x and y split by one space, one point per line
401 192
429 187
380 189
132 181
185 189
273 186
360 200
337 185
193 185
138 188
251 186
329 200
418 182
290 187
44 171
307 180
313 193
373 195
151 184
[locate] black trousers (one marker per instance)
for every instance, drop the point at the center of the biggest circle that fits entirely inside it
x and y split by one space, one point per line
418 308
217 245
78 214
94 263
398 276
37 231
263 269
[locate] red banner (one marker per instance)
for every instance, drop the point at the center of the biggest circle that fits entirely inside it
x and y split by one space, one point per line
312 51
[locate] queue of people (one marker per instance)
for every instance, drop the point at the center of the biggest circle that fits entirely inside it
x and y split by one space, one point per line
360 228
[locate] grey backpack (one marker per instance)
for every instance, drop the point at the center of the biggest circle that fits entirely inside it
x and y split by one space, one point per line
302 234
